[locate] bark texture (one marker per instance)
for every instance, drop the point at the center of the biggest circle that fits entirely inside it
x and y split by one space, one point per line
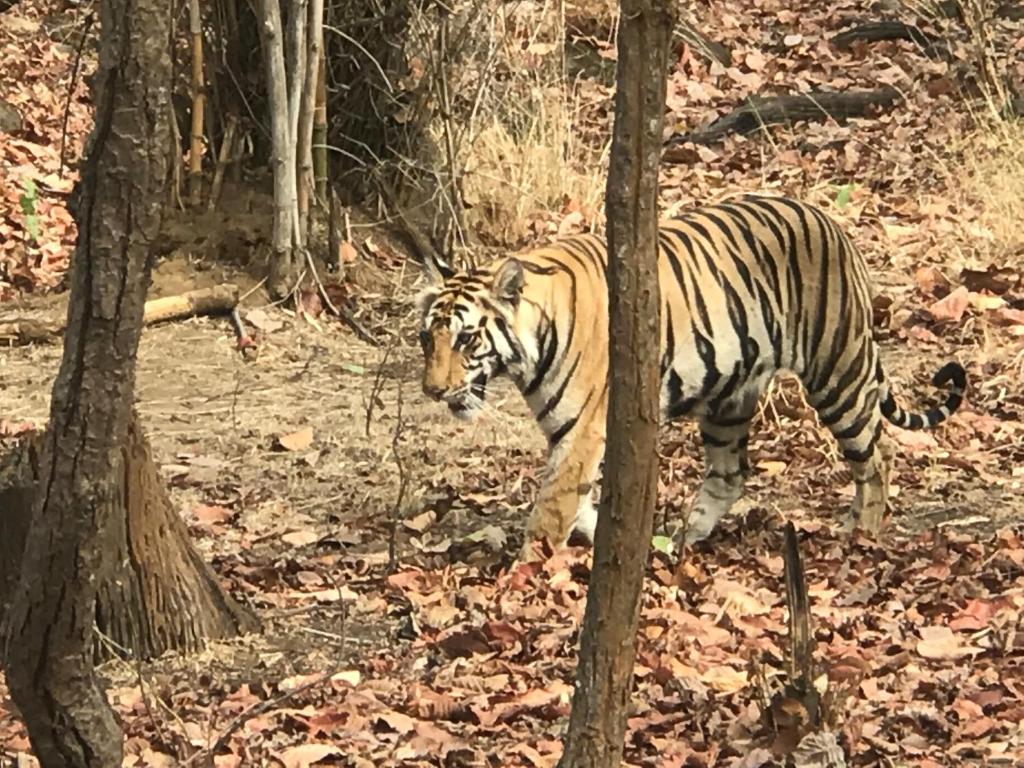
608 644
161 595
49 629
99 551
283 258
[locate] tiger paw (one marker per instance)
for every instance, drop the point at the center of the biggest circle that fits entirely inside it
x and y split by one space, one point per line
585 523
700 525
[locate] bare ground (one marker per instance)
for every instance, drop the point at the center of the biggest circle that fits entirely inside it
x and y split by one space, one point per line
297 533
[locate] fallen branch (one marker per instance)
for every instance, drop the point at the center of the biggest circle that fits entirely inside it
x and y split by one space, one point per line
206 301
346 317
879 31
758 112
19 333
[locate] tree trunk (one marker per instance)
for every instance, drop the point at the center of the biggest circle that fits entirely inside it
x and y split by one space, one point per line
608 643
307 102
283 257
320 128
195 154
75 547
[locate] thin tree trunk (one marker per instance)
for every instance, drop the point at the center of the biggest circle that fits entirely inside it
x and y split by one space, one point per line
295 60
304 150
320 130
608 642
49 630
283 258
195 155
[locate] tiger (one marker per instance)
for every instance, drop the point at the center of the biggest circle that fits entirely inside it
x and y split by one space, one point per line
750 286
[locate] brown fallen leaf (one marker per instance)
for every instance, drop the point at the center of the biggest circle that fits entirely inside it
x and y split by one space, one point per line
985 302
978 726
974 616
421 522
305 755
771 468
395 721
300 538
349 677
725 679
931 281
347 252
1008 316
260 320
296 441
211 514
942 643
952 307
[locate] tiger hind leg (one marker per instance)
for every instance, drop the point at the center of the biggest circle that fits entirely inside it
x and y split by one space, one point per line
868 453
727 468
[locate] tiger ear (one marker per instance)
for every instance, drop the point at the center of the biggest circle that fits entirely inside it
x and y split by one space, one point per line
508 282
435 270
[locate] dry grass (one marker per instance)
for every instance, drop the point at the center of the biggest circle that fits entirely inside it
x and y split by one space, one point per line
530 148
534 162
992 178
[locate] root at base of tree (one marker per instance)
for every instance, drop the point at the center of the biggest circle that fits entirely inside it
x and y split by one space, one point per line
164 596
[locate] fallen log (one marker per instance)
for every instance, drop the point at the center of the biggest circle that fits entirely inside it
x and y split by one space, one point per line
759 112
205 301
19 333
879 31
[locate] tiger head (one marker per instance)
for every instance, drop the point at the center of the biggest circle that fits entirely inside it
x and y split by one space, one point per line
467 333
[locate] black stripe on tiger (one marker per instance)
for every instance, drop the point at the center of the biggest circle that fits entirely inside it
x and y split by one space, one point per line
951 373
750 287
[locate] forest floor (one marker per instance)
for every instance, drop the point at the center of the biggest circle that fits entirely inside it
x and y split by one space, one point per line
373 534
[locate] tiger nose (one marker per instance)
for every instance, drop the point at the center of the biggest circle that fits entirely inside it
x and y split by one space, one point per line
433 390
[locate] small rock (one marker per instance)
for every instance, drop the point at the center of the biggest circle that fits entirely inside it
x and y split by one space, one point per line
10 118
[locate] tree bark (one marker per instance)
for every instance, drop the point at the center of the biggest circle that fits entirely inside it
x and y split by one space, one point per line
163 596
307 104
49 629
76 548
283 257
195 154
608 644
320 128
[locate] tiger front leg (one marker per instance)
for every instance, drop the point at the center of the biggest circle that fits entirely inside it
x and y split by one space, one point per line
564 501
